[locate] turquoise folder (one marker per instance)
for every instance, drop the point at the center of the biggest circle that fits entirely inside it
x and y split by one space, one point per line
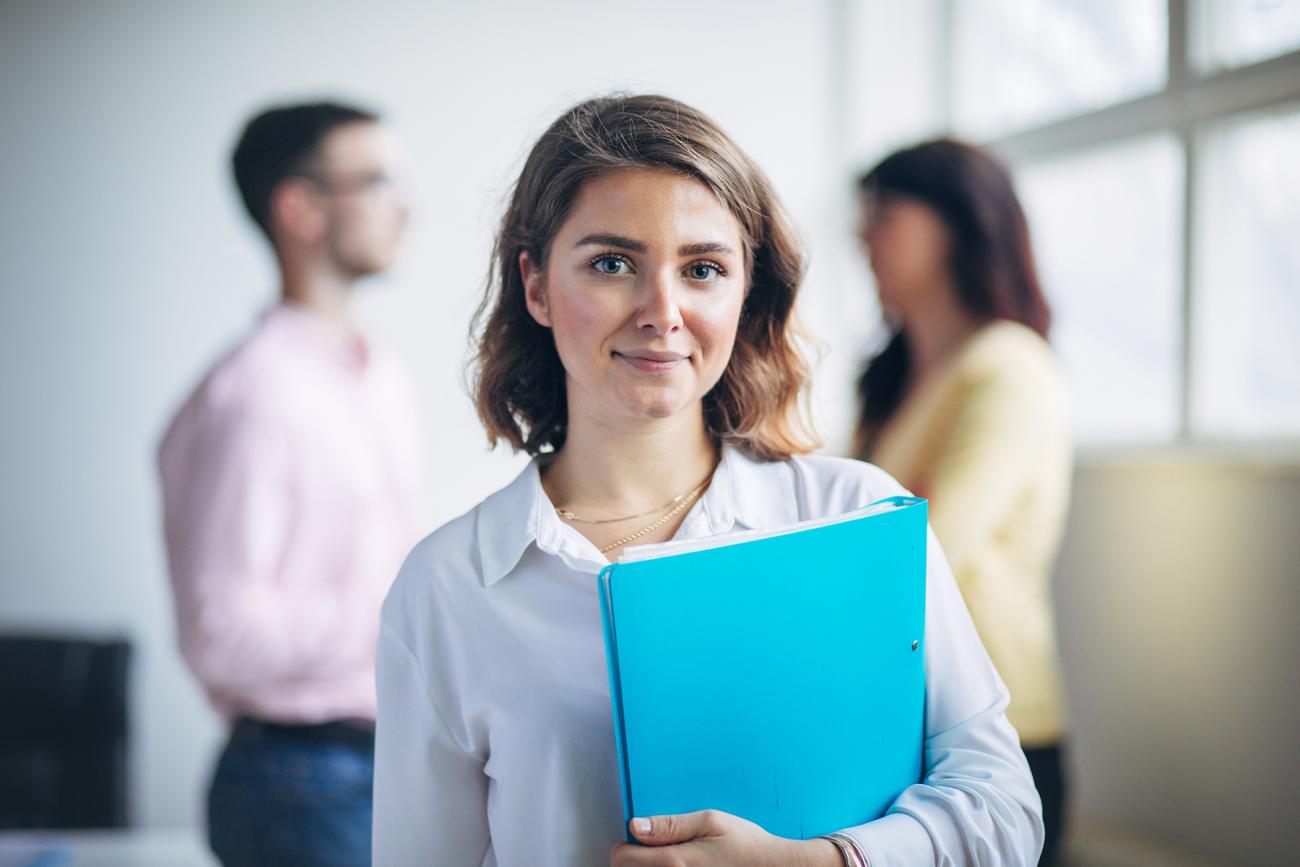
774 675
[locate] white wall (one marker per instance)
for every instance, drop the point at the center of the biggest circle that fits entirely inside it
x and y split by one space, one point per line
127 264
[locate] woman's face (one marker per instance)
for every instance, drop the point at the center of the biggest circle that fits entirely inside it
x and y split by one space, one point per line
909 249
642 289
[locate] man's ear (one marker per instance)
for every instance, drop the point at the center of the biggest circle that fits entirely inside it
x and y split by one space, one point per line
534 289
296 213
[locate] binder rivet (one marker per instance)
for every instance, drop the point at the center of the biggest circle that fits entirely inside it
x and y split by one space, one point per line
915 645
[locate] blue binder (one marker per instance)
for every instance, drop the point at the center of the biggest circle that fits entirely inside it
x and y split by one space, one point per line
774 675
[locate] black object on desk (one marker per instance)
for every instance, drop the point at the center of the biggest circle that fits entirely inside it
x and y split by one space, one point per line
63 732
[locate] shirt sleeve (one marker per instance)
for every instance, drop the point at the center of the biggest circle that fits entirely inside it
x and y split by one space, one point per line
978 468
430 800
976 803
228 503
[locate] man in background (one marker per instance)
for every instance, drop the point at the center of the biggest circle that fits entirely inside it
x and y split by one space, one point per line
289 482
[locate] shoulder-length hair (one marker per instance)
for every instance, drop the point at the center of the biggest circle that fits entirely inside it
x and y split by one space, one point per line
517 379
991 260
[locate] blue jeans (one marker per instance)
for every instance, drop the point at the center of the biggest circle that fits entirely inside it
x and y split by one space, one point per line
288 796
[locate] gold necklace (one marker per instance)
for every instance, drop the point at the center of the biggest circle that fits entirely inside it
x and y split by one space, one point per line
683 505
675 507
570 516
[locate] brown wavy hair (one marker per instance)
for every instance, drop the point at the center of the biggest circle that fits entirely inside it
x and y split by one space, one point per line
517 380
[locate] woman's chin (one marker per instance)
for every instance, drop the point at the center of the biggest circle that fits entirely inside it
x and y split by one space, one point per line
656 411
657 404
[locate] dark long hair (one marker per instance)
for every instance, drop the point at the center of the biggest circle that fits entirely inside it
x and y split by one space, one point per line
991 262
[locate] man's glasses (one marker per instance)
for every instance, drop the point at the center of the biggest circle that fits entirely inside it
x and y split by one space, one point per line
350 184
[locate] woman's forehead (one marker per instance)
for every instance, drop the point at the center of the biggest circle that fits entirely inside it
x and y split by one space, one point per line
654 207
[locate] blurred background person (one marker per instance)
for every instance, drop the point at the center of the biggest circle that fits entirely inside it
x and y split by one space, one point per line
965 405
289 484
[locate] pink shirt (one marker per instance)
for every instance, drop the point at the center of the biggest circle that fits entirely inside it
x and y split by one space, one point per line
290 497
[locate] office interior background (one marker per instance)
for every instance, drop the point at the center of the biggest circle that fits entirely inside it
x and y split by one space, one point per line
1155 143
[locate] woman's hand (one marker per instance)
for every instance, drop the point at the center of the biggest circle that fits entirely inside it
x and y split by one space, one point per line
711 838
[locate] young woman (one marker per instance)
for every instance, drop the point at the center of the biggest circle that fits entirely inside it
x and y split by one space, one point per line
966 406
637 341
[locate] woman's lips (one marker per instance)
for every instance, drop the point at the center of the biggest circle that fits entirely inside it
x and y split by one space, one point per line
653 362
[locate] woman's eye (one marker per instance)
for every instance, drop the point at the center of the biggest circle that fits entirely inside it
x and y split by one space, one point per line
611 265
704 272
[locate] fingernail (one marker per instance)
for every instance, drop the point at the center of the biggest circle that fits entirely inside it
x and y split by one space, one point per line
641 826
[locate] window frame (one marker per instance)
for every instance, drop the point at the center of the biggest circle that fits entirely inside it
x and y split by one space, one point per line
1191 101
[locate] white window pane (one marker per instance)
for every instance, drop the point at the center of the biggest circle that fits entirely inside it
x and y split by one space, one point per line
1227 33
1106 226
1017 63
1246 339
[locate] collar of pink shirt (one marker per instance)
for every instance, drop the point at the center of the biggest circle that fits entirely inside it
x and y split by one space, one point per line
331 338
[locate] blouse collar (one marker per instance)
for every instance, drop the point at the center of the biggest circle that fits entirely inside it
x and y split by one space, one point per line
745 494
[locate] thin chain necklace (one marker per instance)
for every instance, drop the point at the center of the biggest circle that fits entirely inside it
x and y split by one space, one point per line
675 507
577 519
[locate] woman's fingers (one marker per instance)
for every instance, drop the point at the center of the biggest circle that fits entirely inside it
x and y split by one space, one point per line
680 840
663 830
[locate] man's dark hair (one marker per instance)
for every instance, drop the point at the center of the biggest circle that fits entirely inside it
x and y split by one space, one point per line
279 143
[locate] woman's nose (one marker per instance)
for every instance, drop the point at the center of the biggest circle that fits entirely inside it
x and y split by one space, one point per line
659 309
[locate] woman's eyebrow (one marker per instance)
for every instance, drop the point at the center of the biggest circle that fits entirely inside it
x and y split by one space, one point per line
624 243
612 241
701 249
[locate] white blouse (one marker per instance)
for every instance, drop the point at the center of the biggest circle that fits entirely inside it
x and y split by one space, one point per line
495 744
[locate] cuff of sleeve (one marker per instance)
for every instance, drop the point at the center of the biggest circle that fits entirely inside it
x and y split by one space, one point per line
894 840
849 851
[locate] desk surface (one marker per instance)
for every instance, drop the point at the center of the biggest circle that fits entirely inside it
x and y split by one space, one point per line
127 848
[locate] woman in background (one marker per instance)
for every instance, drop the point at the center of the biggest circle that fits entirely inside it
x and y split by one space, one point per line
965 406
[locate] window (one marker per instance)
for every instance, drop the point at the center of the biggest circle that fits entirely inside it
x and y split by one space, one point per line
1154 146
1246 364
1105 228
1231 33
1021 62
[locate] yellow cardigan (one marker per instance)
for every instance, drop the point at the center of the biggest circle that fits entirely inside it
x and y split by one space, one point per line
986 439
